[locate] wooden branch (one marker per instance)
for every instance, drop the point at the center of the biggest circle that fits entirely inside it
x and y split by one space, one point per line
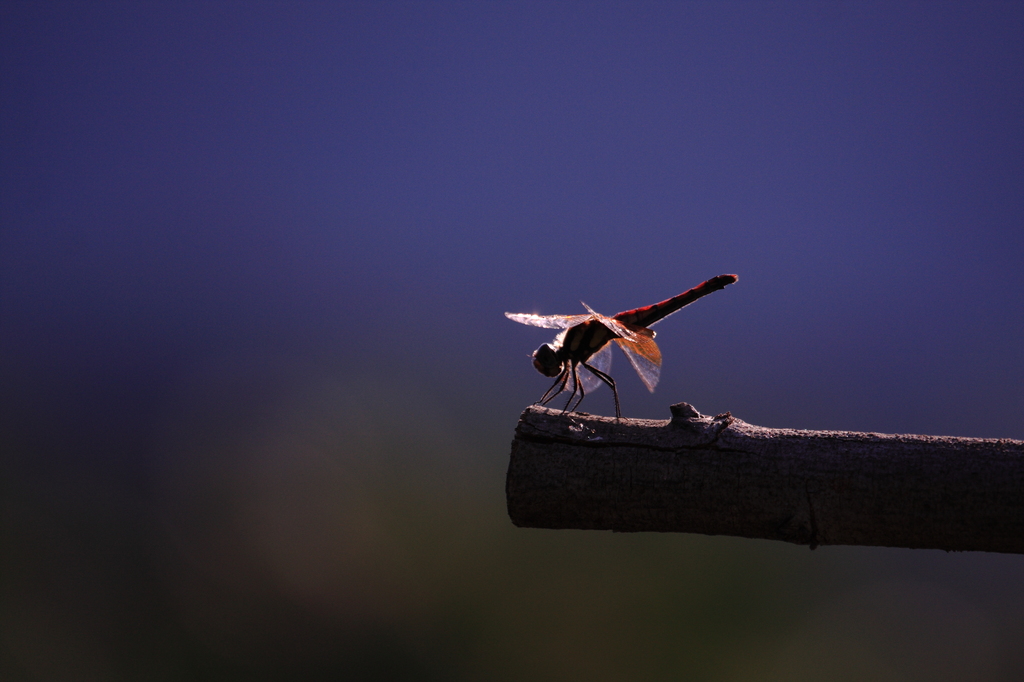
722 476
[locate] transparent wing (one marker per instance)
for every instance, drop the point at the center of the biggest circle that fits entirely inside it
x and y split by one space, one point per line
645 356
615 326
601 360
548 321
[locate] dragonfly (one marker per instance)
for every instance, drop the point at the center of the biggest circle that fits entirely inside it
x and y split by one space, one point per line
580 356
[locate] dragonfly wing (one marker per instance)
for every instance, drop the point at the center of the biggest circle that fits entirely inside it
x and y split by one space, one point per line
614 325
602 361
645 356
548 321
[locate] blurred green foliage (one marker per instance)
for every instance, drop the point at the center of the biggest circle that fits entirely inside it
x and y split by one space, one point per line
308 526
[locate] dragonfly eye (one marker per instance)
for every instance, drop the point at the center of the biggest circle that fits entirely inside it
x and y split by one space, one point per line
545 359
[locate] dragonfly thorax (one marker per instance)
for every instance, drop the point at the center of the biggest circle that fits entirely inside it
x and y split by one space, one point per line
546 360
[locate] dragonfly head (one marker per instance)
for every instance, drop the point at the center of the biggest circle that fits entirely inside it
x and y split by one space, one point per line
546 360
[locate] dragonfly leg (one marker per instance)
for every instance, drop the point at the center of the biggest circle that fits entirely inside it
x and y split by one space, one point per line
575 370
611 384
560 382
579 384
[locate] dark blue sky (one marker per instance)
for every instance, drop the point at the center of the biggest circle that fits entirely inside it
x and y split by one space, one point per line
256 384
379 182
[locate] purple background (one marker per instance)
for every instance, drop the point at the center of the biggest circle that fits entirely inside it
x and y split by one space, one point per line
257 389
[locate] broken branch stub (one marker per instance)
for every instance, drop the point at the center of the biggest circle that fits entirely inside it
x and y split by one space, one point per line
722 476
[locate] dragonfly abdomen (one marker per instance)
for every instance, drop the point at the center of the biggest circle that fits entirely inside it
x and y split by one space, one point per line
648 315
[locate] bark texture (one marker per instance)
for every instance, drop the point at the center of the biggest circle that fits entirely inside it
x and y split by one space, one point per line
722 476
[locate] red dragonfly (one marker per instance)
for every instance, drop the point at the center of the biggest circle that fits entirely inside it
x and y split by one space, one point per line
586 339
